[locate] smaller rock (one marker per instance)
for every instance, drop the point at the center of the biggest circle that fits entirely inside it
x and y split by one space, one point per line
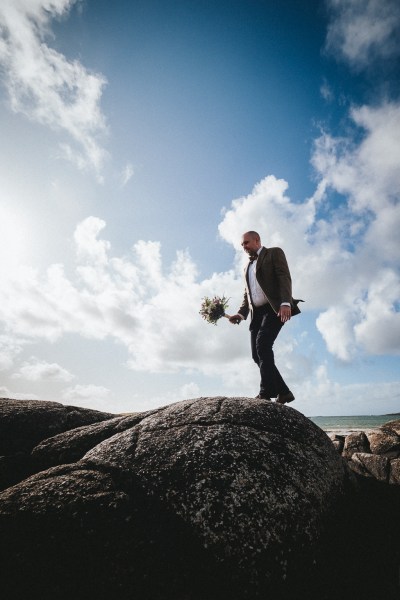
355 442
394 477
337 441
393 425
370 465
384 441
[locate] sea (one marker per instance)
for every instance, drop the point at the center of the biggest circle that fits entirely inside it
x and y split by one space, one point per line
347 424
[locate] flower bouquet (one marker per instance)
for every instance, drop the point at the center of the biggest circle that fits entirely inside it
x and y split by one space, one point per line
213 309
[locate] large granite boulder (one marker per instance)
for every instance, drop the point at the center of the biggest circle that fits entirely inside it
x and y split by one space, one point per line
25 423
212 498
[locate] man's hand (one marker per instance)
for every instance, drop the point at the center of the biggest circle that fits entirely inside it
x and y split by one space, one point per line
235 319
285 313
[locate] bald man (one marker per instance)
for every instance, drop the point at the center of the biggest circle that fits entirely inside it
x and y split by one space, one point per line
268 299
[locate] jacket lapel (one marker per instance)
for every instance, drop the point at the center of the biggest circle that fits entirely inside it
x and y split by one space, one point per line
261 258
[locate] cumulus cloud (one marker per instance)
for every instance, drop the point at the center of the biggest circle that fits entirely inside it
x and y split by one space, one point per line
134 300
362 31
87 395
36 370
367 174
320 394
88 247
47 87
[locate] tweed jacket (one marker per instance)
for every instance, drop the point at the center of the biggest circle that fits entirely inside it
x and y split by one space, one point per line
273 276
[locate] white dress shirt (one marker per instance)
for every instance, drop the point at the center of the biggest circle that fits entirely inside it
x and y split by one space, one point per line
258 297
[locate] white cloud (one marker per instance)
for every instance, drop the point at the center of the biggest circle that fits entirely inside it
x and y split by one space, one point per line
320 395
126 174
47 87
368 172
9 349
36 370
5 392
336 326
132 300
87 395
14 228
190 390
368 175
363 30
89 248
379 331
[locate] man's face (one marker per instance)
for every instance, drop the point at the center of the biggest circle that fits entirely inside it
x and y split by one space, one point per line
250 244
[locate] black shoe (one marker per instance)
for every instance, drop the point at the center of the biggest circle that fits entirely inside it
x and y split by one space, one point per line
262 397
285 398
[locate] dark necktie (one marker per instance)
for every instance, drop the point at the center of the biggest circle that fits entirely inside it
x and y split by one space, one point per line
253 257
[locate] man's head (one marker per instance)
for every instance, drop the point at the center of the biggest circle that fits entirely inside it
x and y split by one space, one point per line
251 242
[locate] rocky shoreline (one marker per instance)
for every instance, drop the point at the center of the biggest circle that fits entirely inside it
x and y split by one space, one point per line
205 499
373 453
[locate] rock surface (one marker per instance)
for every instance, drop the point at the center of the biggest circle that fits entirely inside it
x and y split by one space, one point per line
355 442
374 531
70 446
374 454
212 498
371 465
395 471
385 441
25 423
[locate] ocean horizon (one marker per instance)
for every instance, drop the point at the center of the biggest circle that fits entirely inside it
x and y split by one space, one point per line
348 423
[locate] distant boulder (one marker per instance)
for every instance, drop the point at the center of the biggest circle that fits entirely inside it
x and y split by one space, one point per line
393 425
355 442
385 441
371 465
25 423
394 477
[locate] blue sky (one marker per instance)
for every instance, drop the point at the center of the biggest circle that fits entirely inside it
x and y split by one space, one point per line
140 140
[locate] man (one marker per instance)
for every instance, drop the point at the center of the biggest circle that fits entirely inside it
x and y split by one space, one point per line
268 298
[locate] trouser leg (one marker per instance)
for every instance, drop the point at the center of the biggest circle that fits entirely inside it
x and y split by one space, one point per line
265 328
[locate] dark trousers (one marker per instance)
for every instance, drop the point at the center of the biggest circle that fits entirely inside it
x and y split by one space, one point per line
264 329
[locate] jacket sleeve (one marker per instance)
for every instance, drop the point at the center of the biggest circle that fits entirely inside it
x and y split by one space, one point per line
283 277
244 307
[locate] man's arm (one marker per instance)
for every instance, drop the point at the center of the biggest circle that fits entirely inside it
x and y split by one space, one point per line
242 312
282 273
284 279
